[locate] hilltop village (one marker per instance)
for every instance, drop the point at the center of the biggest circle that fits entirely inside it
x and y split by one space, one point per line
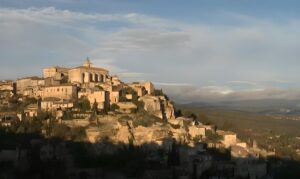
90 124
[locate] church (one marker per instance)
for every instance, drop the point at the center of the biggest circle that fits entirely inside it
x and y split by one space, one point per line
85 73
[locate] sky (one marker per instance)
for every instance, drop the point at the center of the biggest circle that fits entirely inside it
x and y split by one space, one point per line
198 50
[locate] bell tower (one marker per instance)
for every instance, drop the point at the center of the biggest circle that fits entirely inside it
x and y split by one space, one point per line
87 63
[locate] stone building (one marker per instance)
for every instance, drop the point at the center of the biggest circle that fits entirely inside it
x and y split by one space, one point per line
115 80
148 86
142 88
229 138
28 83
87 74
33 92
55 72
96 95
64 91
31 110
126 107
7 85
197 131
7 90
114 92
158 106
52 103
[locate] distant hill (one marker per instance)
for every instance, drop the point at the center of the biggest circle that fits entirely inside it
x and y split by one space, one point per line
266 106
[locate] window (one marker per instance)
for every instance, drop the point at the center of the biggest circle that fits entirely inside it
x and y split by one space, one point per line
96 78
91 77
83 76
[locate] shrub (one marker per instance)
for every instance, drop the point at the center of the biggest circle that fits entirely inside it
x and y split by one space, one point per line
114 107
61 131
146 120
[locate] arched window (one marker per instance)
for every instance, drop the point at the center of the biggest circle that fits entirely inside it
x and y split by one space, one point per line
91 77
96 78
82 77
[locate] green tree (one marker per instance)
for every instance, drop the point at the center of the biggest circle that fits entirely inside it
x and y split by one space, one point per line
83 104
114 107
95 107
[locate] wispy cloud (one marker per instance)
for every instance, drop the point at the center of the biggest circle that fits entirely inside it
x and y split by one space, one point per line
246 58
171 84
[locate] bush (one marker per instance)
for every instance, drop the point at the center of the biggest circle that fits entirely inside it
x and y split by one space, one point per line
213 137
61 131
114 107
146 121
67 115
83 104
158 92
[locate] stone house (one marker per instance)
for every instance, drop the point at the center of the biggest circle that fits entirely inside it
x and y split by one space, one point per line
96 95
158 106
52 103
31 110
55 72
143 88
8 85
63 91
196 131
33 92
229 138
126 107
28 82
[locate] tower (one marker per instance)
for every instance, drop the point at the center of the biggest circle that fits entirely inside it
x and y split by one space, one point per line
87 63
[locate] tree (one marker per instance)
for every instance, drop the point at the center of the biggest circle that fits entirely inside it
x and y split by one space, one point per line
95 107
173 155
114 107
83 104
158 92
178 113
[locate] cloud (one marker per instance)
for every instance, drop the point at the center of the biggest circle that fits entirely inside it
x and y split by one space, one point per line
188 94
171 84
253 57
53 16
145 39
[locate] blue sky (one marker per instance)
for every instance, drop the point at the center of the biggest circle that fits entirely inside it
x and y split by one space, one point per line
195 50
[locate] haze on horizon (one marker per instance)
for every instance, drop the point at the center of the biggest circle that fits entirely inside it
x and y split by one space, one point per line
204 50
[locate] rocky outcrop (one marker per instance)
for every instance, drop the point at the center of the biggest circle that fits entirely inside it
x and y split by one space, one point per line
159 106
154 134
92 134
196 131
123 134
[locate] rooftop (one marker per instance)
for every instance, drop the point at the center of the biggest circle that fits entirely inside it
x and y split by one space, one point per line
31 77
220 132
126 105
64 84
92 68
